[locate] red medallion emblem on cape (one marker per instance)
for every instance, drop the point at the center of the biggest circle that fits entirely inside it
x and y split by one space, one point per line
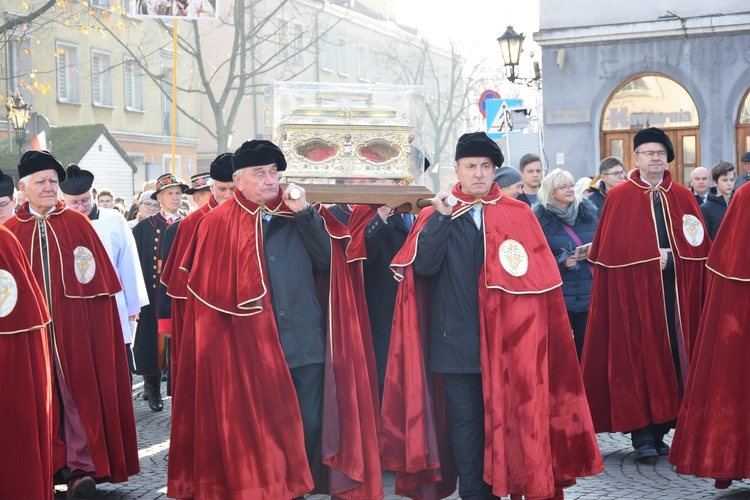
627 361
538 432
180 465
248 426
87 348
713 431
26 398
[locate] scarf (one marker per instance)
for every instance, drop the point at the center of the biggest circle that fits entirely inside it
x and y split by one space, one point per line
568 216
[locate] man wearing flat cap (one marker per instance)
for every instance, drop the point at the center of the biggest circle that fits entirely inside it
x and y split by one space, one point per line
744 176
7 197
271 310
149 350
481 340
117 239
93 423
649 252
173 295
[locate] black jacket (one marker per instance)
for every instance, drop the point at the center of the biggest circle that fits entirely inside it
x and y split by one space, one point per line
576 285
597 196
450 252
713 212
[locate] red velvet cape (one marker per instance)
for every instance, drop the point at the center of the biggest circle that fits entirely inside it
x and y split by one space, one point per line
87 349
713 430
180 465
247 425
538 433
25 376
627 361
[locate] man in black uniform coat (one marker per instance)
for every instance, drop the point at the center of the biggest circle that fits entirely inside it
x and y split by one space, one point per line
148 235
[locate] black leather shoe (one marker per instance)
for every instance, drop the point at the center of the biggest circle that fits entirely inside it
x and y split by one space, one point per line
81 487
644 451
662 448
153 388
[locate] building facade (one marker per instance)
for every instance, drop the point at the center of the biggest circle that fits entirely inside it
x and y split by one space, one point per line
612 68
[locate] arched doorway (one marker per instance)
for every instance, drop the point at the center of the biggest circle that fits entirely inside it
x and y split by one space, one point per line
743 128
653 101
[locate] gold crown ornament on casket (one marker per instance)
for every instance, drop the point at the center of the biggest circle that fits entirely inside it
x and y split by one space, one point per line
351 143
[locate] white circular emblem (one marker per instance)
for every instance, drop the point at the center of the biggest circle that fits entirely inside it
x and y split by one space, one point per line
514 258
8 293
693 229
84 264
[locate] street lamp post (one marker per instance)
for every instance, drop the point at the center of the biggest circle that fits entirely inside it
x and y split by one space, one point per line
511 46
18 115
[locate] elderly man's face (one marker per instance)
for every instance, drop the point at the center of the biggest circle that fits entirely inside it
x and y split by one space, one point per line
700 179
80 203
41 190
222 191
170 199
7 204
514 190
201 197
258 184
475 175
651 159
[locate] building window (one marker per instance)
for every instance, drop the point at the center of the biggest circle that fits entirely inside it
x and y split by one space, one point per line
101 78
297 48
68 86
283 41
343 57
102 4
377 67
133 85
325 52
362 63
20 64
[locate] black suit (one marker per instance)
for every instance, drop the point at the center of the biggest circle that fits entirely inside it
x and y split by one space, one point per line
382 241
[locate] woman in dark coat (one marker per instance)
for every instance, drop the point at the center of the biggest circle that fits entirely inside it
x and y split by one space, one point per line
568 222
718 197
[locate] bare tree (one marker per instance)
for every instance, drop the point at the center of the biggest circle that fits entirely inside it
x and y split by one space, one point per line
260 42
450 87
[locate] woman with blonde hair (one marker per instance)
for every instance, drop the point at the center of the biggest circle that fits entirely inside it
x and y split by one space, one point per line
569 222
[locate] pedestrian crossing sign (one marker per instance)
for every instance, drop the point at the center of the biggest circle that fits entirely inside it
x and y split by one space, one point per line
498 123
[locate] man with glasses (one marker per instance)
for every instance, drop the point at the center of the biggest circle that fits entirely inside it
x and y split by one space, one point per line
646 299
93 431
611 173
119 243
7 197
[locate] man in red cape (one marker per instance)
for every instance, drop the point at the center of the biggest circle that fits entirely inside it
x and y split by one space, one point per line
495 352
94 435
646 298
26 398
252 425
713 431
173 295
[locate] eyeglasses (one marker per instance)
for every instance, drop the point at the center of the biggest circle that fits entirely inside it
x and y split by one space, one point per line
566 187
619 173
80 203
152 206
651 154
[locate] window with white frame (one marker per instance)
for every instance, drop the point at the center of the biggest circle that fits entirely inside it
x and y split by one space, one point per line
297 47
283 40
166 93
102 4
133 84
101 78
20 63
68 81
325 52
362 63
343 58
377 67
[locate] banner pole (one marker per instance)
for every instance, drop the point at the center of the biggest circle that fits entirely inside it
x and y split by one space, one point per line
174 97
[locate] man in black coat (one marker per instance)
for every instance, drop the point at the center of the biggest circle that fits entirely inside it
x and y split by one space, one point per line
148 235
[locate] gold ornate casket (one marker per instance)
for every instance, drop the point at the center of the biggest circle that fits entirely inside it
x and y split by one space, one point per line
350 143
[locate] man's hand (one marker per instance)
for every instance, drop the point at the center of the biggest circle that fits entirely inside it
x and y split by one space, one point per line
384 212
440 205
294 197
664 257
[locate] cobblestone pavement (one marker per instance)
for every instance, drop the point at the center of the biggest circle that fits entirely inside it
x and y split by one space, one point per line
623 478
